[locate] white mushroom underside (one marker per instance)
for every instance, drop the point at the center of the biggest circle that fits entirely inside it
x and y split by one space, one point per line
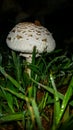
24 36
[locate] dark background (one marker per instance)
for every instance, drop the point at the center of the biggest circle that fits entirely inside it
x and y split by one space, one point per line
56 15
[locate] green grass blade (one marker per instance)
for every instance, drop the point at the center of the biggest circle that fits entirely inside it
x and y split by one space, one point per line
17 65
43 102
37 115
67 125
56 101
19 95
9 98
53 61
14 82
66 100
12 117
61 96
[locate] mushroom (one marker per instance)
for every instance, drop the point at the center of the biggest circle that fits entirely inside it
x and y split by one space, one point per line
26 35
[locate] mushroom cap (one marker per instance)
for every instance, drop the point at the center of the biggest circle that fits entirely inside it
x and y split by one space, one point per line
24 36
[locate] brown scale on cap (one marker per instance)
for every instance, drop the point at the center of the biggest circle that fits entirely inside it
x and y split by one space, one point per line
36 22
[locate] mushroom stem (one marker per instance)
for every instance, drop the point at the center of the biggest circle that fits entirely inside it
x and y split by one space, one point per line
28 60
28 70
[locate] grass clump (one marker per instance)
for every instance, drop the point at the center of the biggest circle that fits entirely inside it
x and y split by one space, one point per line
37 101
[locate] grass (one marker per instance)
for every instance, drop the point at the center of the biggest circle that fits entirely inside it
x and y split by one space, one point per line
19 98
